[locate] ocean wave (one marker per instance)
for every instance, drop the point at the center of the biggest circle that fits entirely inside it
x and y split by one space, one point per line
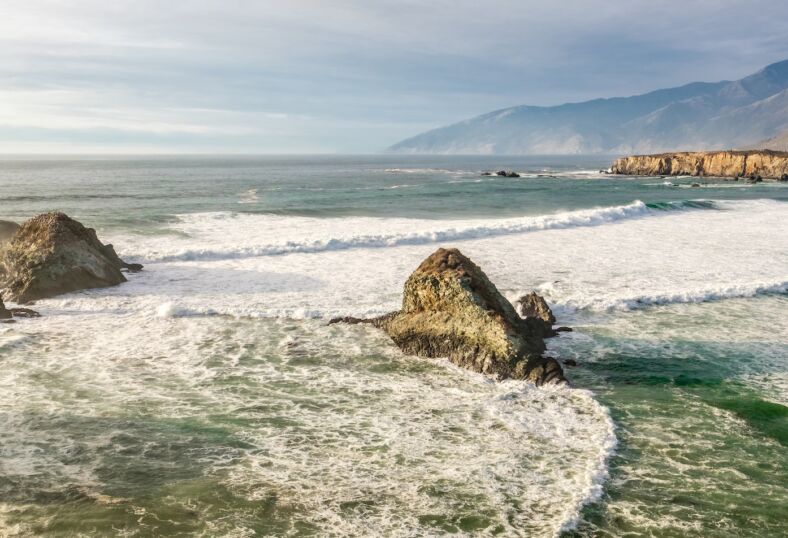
718 293
572 219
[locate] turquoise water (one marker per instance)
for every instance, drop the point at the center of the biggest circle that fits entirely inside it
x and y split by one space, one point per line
208 397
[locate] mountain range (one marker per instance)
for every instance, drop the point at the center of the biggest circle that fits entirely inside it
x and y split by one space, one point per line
696 116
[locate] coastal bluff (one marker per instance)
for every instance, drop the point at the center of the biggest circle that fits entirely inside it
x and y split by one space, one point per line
764 163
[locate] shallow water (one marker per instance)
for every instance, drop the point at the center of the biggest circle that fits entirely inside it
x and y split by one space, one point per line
207 396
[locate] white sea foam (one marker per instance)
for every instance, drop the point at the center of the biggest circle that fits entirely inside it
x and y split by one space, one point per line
250 235
367 425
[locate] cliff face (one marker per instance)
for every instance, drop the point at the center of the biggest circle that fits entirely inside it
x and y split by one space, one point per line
764 163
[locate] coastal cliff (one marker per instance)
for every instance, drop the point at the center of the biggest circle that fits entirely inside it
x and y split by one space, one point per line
763 163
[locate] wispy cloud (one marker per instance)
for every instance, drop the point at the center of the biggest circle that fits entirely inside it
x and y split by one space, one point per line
346 75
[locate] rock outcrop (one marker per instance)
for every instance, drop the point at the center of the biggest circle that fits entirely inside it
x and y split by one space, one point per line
53 254
764 163
537 314
451 309
7 230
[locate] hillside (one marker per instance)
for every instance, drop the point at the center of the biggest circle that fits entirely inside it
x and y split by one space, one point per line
696 116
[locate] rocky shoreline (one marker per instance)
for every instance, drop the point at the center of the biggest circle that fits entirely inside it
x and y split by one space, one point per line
450 308
755 164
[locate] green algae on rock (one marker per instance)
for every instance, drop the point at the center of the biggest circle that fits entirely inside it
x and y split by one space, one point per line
451 309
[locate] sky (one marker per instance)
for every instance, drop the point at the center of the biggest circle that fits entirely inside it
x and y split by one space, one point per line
342 76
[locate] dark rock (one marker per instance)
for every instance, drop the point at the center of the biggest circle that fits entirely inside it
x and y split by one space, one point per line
451 309
784 177
570 362
350 320
695 185
109 251
563 329
533 305
4 312
487 173
501 173
24 313
512 174
53 254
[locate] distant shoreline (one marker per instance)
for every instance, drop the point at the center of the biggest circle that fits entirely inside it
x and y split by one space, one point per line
752 164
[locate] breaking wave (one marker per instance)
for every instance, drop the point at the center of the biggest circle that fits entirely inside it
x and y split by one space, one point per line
462 231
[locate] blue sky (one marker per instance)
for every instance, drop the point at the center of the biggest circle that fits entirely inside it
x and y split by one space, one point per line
342 76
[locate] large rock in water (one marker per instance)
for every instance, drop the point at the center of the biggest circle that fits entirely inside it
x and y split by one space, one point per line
53 254
451 309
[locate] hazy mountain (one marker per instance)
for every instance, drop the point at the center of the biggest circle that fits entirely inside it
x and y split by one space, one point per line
777 143
699 115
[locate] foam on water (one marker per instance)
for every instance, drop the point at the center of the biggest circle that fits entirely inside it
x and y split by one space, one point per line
328 428
331 429
250 235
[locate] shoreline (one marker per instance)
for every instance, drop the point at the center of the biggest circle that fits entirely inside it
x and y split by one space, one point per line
754 164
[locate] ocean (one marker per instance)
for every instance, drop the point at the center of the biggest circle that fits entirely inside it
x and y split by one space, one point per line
208 396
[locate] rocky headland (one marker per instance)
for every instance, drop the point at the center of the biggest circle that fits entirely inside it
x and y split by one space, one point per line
765 164
53 254
451 309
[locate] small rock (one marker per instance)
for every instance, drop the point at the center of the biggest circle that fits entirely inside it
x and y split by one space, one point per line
350 320
4 312
784 177
563 330
695 185
570 362
512 174
24 313
486 173
533 305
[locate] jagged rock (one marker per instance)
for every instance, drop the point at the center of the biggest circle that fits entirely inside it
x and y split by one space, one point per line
350 320
109 251
533 305
563 329
7 230
451 309
53 254
501 173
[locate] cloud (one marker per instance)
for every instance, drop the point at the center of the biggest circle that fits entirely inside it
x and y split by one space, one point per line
346 75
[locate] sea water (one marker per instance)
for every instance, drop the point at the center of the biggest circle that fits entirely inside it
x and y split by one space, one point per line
208 396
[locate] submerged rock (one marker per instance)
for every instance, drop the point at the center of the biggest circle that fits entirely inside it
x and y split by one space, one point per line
451 309
7 230
4 312
53 254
